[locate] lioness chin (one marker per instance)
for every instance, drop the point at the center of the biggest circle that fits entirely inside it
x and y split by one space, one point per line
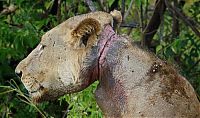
132 82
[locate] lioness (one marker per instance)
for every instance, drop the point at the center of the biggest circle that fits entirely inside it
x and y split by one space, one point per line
132 82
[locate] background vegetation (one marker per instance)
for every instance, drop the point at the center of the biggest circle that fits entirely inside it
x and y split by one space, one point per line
169 28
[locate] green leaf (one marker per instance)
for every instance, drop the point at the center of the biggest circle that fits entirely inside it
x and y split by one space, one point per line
138 3
158 48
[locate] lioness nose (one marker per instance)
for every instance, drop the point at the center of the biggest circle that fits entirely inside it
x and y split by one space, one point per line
18 73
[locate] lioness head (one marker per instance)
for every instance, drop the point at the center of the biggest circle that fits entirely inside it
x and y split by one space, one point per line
65 59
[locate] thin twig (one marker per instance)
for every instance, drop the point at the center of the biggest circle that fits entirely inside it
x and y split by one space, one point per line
101 5
154 23
123 10
182 16
128 11
65 113
146 12
175 22
130 25
90 4
59 11
141 16
15 25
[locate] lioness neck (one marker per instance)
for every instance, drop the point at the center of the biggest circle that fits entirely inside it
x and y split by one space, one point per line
123 67
133 83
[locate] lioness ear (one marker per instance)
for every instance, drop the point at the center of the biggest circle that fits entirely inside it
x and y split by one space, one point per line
84 30
117 17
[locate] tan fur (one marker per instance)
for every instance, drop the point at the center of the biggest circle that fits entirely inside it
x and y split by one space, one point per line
133 82
59 57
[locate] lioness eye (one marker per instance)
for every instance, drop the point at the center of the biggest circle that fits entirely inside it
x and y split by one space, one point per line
42 47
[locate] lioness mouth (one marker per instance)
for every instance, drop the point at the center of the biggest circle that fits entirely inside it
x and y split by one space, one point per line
37 90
